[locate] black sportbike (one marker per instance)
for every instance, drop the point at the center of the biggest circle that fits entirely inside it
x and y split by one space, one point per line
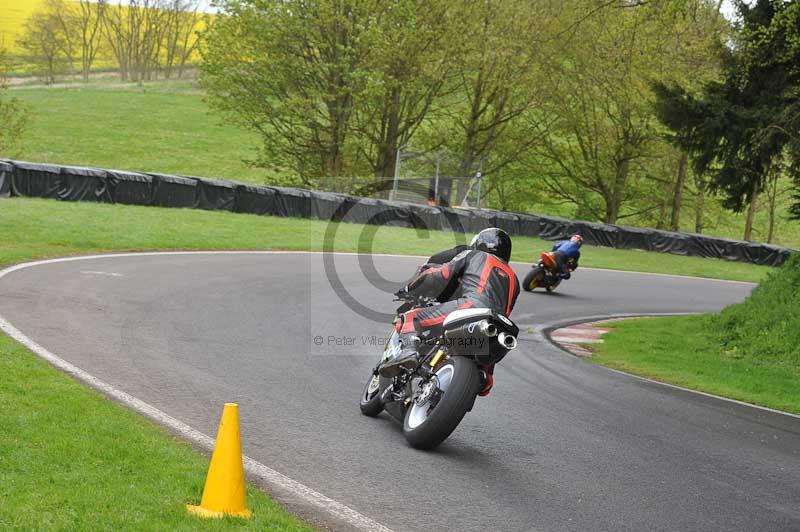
430 393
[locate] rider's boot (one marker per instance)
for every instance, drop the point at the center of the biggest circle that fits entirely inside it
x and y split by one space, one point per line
487 380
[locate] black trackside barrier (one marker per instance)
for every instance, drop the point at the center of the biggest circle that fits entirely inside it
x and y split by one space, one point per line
668 242
529 225
256 200
601 234
506 219
130 188
35 180
6 172
19 178
294 202
213 194
174 191
358 210
634 238
767 254
84 184
325 204
403 214
431 217
477 220
553 228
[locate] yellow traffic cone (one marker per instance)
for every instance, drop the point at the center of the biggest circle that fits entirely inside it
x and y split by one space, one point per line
224 493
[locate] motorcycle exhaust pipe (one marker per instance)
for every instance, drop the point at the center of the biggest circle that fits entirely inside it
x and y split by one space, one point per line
507 341
487 329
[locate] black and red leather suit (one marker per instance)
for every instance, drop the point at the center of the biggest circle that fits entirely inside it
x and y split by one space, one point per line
472 279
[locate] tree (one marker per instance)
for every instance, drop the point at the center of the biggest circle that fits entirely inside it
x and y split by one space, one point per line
135 32
497 65
46 41
602 128
410 66
79 26
13 114
739 127
181 39
87 21
293 71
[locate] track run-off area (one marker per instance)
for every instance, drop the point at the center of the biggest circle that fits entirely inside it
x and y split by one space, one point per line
560 444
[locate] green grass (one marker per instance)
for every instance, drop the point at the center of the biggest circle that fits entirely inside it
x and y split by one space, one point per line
160 127
72 460
37 228
687 351
749 351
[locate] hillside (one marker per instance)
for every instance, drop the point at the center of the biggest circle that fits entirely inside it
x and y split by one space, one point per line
766 327
166 126
14 14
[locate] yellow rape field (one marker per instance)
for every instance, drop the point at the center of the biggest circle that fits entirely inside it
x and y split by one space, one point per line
13 14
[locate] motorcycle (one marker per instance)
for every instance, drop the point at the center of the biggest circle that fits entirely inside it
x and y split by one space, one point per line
543 274
432 392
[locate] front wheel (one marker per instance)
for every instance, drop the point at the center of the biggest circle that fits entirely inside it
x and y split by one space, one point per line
533 279
441 403
370 403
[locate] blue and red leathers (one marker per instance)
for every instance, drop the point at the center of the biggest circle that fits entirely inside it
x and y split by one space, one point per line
567 253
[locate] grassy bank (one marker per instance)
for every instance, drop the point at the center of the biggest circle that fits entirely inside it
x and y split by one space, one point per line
749 351
37 228
160 127
71 460
687 352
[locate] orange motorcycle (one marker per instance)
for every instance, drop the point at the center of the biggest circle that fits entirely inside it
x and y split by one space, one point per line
543 274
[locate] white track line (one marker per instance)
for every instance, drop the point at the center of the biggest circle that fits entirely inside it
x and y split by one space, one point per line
254 468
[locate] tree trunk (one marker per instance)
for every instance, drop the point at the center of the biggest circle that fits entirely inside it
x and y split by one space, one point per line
662 209
677 196
699 204
771 233
388 151
751 212
773 197
614 203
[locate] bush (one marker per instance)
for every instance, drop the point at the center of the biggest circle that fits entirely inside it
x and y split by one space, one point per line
766 326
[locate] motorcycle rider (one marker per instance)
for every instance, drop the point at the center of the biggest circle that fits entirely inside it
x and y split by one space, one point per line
476 277
564 256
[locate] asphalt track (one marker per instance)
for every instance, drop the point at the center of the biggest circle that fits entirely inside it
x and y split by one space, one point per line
560 444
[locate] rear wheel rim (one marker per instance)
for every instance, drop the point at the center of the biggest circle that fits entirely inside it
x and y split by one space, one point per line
418 414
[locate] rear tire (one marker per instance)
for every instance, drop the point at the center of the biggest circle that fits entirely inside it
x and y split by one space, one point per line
440 421
532 279
370 403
